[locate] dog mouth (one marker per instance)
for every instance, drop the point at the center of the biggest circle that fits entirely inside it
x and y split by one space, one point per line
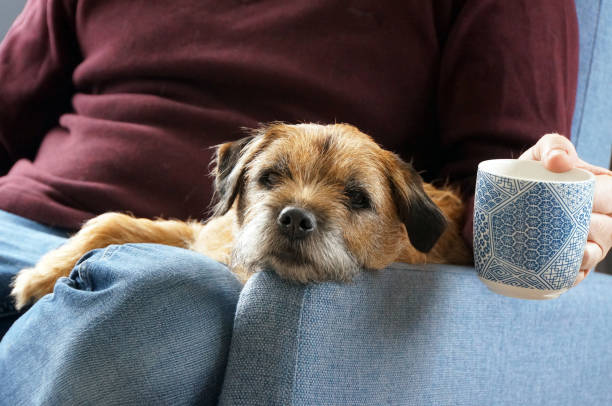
290 257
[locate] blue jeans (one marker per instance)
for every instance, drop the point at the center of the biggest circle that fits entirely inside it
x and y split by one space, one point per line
132 324
22 243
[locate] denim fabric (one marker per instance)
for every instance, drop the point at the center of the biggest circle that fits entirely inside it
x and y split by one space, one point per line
413 335
22 243
592 125
139 324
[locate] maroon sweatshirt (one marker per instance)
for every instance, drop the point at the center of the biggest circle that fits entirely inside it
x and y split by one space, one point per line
114 104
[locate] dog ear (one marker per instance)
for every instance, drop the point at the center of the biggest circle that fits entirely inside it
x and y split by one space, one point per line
424 221
231 161
229 172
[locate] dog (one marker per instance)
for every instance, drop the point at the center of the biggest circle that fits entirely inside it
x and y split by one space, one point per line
312 202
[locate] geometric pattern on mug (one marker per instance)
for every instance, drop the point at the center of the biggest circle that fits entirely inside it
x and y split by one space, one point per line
504 273
573 196
557 274
583 214
488 195
508 185
528 231
482 237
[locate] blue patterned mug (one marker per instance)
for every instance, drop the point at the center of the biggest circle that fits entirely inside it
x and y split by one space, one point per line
530 227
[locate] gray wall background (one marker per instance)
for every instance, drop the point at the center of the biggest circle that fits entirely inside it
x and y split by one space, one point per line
9 9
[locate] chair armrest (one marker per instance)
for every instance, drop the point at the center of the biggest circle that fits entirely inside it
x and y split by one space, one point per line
418 335
592 124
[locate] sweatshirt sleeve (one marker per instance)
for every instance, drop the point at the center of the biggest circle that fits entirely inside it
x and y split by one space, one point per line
508 76
37 57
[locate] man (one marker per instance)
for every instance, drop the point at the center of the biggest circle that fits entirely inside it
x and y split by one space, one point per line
110 105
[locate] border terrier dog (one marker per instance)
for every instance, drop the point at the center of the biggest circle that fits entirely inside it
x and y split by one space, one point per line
312 202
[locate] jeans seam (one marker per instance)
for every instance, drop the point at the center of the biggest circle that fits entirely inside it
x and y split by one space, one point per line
109 251
83 269
83 274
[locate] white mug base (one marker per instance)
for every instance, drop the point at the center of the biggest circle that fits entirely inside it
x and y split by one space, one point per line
522 293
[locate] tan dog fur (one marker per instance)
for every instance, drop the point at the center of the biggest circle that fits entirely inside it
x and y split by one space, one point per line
331 171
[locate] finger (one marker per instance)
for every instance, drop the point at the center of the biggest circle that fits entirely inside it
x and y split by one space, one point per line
583 273
600 232
556 152
593 254
602 200
596 170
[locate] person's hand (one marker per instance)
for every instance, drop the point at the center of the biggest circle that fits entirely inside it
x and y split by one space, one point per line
559 155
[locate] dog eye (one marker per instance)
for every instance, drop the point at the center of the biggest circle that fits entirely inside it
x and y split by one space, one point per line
357 199
269 179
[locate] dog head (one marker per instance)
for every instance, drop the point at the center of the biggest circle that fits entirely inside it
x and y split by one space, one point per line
318 203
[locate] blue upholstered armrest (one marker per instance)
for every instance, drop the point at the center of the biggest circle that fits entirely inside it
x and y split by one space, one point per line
592 124
418 335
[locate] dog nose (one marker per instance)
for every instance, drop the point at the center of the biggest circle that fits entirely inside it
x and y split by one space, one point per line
296 223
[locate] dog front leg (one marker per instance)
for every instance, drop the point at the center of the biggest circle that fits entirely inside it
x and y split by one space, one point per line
31 284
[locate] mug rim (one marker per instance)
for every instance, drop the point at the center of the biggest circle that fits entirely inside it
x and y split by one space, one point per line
573 176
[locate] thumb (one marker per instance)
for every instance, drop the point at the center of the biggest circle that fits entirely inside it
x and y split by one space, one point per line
556 152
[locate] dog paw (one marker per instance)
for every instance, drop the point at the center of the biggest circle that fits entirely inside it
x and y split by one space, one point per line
29 285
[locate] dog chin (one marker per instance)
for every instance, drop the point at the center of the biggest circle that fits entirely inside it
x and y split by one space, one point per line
304 271
291 265
295 267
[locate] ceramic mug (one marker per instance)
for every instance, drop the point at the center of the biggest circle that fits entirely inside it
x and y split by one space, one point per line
530 227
